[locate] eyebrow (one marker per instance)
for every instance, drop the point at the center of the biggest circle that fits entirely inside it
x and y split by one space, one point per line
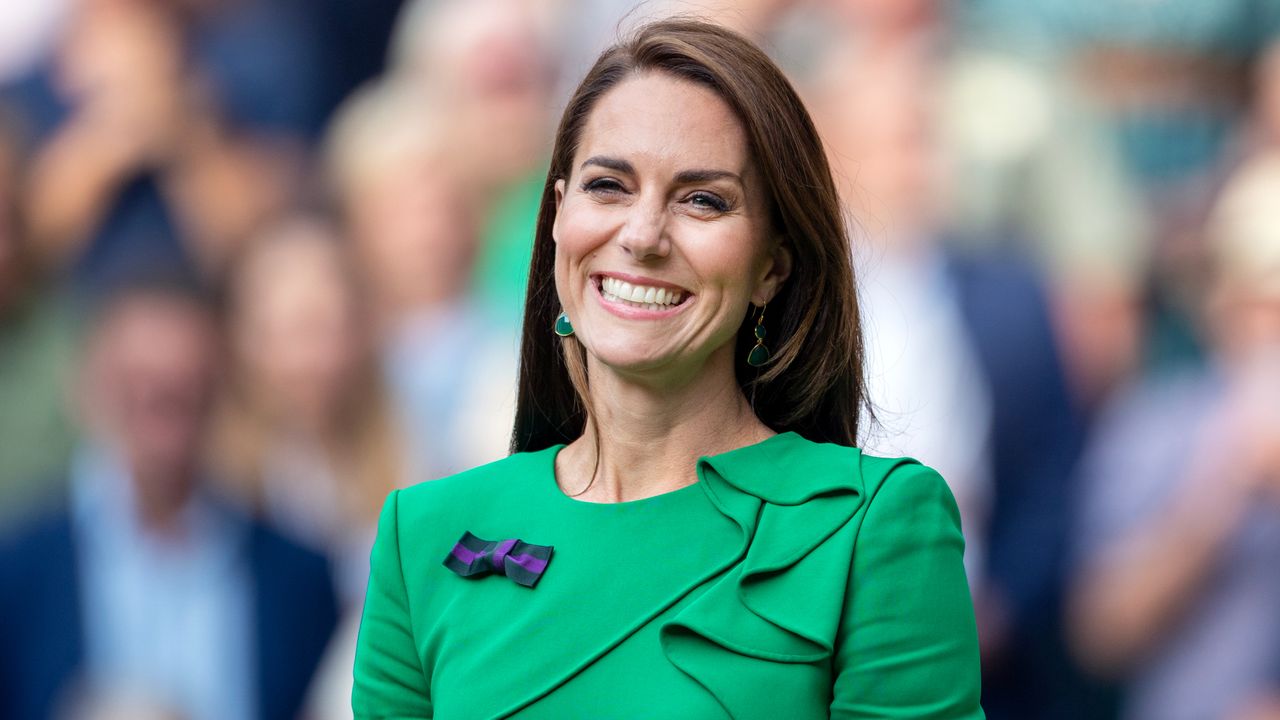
621 166
684 177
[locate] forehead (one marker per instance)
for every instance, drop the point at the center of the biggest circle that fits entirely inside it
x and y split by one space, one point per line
665 122
143 325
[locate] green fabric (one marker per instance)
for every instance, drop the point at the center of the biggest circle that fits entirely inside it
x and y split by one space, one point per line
793 580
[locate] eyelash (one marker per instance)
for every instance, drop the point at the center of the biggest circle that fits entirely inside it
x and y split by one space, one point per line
601 184
713 202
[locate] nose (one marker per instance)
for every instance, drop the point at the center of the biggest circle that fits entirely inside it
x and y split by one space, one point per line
644 234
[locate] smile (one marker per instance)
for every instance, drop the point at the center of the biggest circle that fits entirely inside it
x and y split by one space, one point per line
635 300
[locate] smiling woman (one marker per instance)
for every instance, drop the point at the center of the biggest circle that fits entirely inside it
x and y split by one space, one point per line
667 200
679 532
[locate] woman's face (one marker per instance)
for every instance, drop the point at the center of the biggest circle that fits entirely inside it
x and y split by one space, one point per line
413 232
663 204
297 334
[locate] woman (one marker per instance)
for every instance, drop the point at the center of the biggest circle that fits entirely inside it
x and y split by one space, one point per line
684 528
391 162
305 434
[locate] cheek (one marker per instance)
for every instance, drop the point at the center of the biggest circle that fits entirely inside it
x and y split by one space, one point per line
581 227
724 256
581 230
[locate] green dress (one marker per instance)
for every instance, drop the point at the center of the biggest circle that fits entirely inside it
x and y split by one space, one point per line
793 580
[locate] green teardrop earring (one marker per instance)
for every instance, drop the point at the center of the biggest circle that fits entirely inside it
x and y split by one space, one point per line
759 354
562 327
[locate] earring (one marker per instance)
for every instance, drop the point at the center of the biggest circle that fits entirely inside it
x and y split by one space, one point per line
562 327
759 354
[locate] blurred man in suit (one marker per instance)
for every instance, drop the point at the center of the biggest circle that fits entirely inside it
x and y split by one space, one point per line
147 591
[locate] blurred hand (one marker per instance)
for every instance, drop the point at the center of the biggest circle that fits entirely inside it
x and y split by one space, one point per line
1265 708
123 68
1245 433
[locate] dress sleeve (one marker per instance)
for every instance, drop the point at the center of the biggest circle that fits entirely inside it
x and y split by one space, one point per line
389 680
907 645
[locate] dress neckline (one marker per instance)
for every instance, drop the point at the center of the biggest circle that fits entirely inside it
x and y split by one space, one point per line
548 480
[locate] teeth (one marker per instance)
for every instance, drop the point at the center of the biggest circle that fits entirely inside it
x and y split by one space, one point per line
616 290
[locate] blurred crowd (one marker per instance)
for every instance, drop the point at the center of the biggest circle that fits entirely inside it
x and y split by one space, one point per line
262 261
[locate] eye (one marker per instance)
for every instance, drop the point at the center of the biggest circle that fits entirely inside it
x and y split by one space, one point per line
708 201
602 185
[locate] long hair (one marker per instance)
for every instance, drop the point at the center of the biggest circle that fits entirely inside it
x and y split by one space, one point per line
814 384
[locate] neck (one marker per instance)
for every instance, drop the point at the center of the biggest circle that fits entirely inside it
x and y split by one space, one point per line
651 434
160 502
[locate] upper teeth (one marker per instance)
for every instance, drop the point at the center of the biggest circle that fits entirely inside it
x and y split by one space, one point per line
615 289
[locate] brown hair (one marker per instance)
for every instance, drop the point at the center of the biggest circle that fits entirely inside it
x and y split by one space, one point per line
814 384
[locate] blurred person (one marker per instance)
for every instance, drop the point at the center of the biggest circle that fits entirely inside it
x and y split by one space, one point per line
151 589
1039 177
964 366
307 425
304 431
392 163
1177 588
491 66
874 119
37 350
103 109
1170 81
1042 173
163 131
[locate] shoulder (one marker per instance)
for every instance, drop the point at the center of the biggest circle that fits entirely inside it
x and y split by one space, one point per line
903 492
43 530
901 475
790 469
811 494
30 548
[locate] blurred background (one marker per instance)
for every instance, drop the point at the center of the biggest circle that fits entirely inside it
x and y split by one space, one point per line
262 261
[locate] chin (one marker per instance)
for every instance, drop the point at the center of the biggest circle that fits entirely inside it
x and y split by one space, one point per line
630 357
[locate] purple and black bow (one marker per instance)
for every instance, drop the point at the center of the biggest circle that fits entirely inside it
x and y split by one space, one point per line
520 561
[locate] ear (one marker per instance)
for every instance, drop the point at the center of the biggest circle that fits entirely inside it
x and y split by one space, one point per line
777 269
555 224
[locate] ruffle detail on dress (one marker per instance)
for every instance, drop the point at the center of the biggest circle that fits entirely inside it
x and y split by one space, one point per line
782 602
